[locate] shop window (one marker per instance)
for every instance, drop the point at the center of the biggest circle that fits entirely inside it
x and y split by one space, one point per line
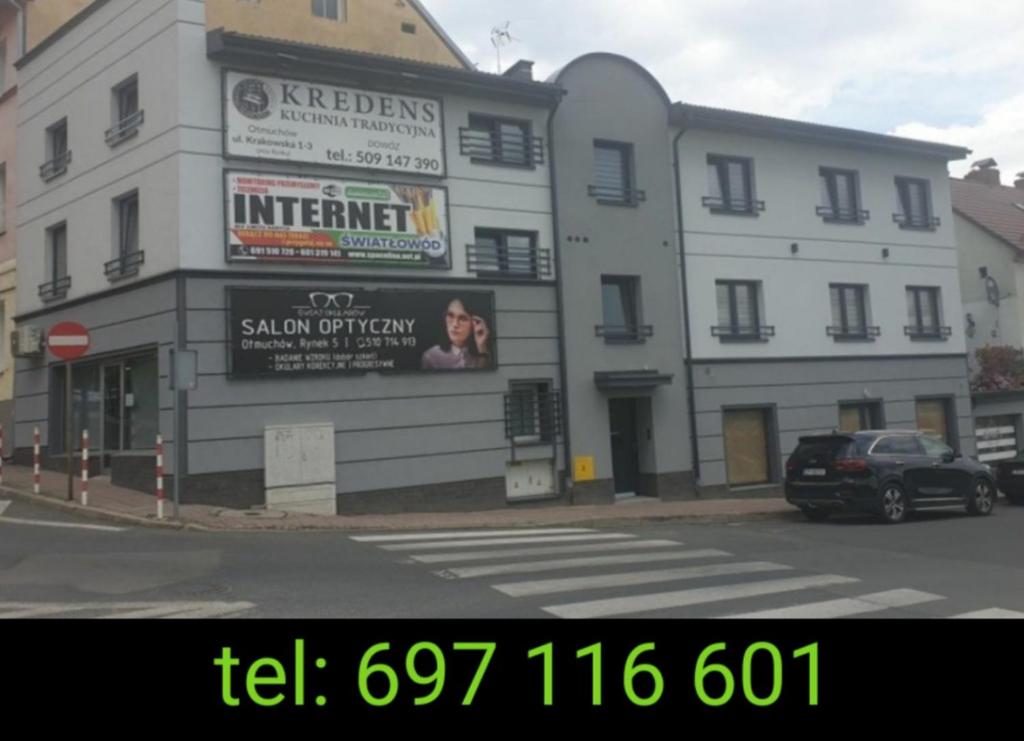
860 416
934 418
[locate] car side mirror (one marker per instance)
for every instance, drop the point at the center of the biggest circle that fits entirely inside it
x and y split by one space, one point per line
949 456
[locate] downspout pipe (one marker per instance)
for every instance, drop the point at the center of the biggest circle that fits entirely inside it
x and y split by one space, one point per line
687 362
560 304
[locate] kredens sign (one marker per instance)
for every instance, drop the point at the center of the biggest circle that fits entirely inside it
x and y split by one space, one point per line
277 119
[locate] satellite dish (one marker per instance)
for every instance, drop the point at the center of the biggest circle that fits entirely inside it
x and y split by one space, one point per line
992 290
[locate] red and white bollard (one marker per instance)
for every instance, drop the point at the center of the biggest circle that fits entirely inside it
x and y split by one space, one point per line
35 460
85 468
1 455
159 477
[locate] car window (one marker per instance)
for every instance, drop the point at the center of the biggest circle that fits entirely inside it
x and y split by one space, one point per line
934 448
901 445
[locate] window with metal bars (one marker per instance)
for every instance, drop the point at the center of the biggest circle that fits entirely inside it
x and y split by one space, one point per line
840 197
531 414
731 186
913 198
850 313
739 311
614 174
924 314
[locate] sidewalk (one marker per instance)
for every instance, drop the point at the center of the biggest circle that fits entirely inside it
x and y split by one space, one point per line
114 503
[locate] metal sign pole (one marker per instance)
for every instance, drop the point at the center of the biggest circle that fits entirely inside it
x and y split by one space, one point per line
68 444
177 456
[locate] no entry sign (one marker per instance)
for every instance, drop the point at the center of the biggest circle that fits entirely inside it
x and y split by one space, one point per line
68 340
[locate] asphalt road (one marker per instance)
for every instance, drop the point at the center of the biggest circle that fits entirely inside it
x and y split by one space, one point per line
937 565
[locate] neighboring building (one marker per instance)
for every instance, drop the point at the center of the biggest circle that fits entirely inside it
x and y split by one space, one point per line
618 257
396 28
23 23
213 177
821 276
989 221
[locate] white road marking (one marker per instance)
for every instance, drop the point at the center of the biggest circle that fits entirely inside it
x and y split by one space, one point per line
468 534
557 550
69 525
506 541
994 613
3 507
604 581
688 597
843 607
469 572
124 610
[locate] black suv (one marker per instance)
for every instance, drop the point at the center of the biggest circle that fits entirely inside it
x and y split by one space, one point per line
884 472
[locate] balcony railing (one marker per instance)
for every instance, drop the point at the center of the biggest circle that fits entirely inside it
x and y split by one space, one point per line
616 195
55 167
508 262
731 333
916 221
624 333
532 417
56 289
918 332
853 333
843 215
125 128
125 265
732 205
503 148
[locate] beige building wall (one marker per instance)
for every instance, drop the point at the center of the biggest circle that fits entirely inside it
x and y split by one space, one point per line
372 26
46 16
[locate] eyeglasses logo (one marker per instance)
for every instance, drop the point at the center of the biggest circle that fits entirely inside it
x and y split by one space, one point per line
342 301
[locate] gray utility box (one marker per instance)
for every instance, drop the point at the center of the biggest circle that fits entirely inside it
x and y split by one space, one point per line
299 468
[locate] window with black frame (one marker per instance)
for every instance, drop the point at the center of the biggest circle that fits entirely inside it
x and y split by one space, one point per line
613 174
127 114
529 412
731 186
505 252
332 10
56 265
739 311
57 153
850 313
500 141
913 198
620 309
129 256
924 314
840 200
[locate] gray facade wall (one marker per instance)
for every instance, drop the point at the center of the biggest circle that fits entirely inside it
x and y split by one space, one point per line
611 98
804 396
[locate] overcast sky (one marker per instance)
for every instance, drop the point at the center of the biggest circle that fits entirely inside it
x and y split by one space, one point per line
946 70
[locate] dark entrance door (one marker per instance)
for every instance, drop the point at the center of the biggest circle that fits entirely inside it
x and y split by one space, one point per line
625 448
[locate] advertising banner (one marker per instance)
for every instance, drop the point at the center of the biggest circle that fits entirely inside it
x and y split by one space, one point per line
295 331
272 118
283 218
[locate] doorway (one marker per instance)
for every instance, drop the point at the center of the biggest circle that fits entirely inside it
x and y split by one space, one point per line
622 424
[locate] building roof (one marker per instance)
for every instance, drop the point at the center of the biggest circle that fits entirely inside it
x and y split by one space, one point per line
998 209
688 115
281 56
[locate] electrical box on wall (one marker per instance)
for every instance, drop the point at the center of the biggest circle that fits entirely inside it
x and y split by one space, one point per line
530 478
27 342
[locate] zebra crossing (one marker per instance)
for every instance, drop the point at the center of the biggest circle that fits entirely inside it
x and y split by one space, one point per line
123 610
586 573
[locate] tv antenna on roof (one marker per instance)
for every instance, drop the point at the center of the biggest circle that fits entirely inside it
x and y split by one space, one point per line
500 36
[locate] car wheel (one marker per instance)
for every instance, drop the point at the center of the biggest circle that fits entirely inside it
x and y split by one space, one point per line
982 498
815 514
893 503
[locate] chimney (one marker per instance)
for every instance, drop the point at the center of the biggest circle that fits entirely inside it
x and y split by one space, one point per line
1019 182
984 171
521 70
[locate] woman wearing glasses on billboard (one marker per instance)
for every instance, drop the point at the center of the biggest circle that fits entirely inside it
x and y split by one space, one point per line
466 343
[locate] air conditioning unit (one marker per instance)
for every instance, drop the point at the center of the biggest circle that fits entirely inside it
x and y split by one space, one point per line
27 342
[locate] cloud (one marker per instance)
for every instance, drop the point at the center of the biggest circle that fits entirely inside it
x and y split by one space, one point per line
999 134
875 65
